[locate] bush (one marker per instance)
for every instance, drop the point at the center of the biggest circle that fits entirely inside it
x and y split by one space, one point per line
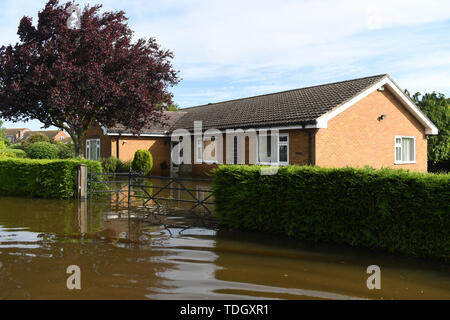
125 166
143 162
54 179
34 138
42 150
111 165
12 153
393 210
65 151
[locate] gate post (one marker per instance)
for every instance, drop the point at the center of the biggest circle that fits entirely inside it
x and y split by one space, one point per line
82 182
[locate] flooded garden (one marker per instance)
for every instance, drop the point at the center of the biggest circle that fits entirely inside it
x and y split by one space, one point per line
170 252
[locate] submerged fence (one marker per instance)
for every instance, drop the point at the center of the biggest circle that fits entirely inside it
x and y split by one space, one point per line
151 192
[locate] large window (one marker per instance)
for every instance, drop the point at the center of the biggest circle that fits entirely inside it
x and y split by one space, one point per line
93 149
405 150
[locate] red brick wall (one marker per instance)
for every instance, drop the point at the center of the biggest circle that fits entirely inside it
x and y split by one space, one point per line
59 135
95 132
158 147
356 138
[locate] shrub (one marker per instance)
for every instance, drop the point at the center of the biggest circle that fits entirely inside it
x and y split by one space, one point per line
125 166
34 138
54 179
65 151
42 150
12 153
393 210
143 162
111 165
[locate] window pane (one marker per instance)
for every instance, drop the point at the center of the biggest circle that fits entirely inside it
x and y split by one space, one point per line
210 151
283 138
283 154
398 154
88 150
408 149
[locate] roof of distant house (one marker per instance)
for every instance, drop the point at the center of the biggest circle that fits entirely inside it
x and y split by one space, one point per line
49 133
14 131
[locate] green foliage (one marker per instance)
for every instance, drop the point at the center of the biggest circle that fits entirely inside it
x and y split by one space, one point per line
34 138
65 151
125 166
143 162
12 153
393 210
4 141
111 165
437 109
42 150
54 179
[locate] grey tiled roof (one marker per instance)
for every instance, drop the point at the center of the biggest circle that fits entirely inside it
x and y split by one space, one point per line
169 120
293 107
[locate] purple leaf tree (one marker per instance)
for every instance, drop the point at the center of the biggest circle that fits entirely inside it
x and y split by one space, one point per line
71 77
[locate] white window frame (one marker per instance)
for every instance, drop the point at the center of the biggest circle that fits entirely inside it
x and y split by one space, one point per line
201 155
89 144
280 144
399 145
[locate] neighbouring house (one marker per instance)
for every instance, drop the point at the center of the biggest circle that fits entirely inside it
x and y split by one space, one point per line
15 135
56 135
362 122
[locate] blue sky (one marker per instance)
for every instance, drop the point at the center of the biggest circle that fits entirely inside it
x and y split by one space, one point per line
232 49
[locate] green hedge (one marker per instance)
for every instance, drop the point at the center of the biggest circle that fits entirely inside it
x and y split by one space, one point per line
53 179
393 210
12 153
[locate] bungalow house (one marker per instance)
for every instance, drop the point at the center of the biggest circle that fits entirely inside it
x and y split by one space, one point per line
362 122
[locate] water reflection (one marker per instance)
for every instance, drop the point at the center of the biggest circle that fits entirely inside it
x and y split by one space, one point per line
136 255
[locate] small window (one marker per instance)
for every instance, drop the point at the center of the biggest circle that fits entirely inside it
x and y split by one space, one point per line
93 149
283 153
405 150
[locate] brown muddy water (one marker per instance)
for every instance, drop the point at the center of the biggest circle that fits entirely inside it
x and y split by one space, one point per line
175 255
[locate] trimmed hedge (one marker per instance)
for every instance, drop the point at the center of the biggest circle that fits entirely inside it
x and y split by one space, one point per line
393 210
53 179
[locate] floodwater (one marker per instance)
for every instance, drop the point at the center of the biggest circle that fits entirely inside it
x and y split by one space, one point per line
175 255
